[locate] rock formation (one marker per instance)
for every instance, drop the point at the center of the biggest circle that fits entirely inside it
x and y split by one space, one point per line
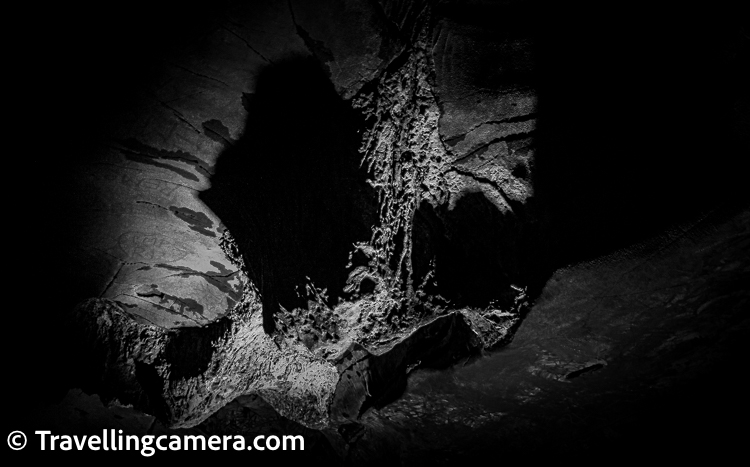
340 214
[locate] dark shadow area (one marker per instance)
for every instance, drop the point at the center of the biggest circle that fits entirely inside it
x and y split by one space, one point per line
478 251
637 127
190 350
638 130
291 191
374 381
83 67
436 346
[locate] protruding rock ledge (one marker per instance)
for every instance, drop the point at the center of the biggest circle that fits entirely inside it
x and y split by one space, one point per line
183 376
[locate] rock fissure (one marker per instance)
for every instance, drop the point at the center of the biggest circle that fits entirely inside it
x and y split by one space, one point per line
247 44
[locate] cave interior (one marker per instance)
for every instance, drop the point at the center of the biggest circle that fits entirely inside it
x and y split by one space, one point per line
426 231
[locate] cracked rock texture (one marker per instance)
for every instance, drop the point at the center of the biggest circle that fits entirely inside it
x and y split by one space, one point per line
411 230
183 377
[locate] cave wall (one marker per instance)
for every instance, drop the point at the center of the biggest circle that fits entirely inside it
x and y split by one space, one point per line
441 160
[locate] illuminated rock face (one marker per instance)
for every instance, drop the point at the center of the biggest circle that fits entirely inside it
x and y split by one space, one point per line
199 228
317 207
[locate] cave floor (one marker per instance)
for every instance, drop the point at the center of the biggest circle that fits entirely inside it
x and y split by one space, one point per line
638 351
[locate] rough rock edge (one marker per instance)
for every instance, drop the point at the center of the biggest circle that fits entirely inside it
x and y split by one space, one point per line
245 360
409 164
